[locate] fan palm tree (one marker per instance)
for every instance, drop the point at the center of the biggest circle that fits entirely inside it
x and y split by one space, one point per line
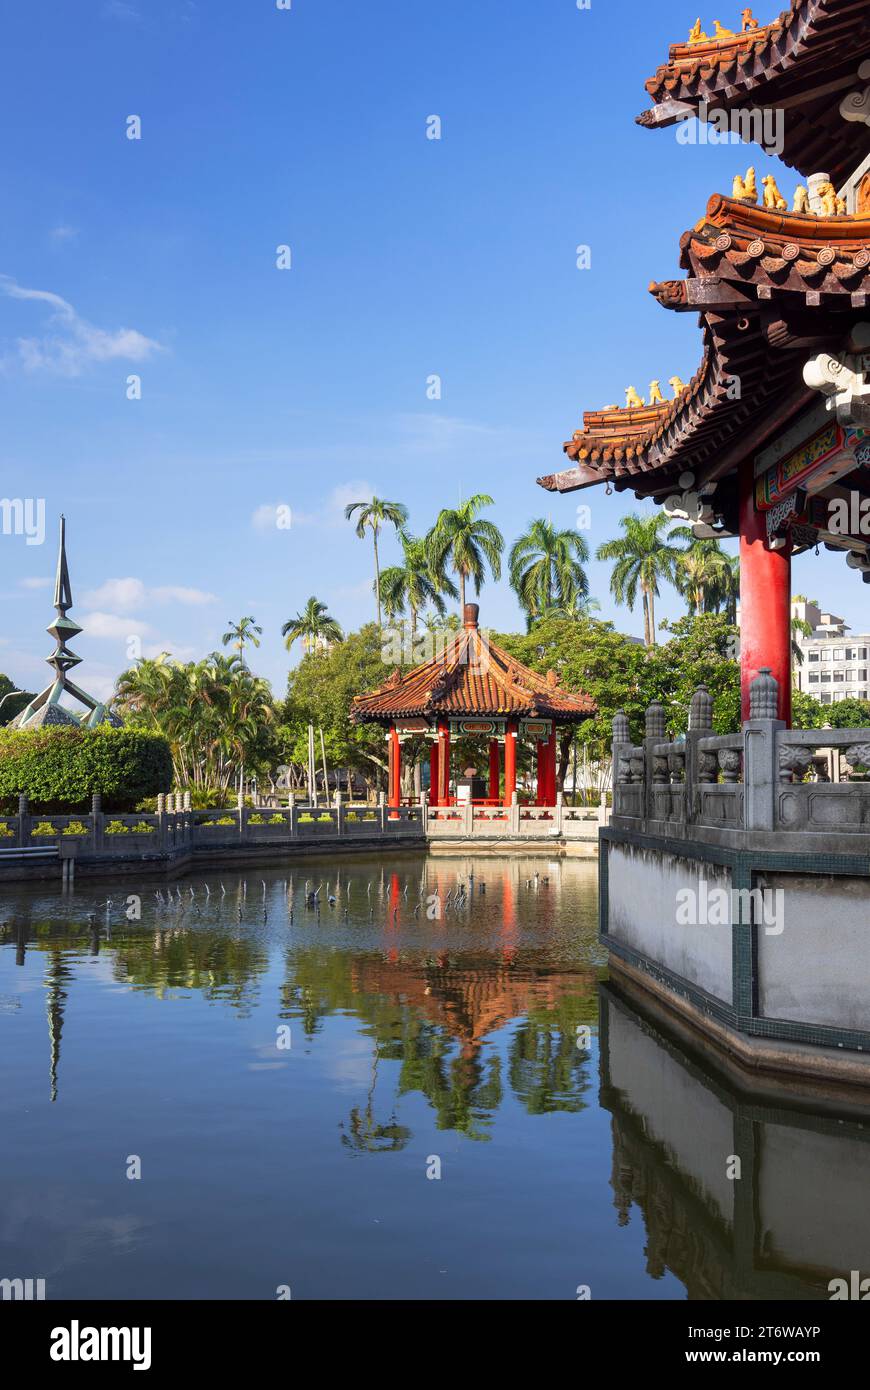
416 582
313 625
546 569
371 517
468 542
643 557
245 630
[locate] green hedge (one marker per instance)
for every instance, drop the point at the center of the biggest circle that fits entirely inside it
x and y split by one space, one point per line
59 769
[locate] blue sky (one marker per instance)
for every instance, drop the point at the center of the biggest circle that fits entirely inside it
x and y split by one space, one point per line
410 257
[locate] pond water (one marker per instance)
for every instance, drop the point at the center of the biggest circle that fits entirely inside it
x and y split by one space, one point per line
420 1086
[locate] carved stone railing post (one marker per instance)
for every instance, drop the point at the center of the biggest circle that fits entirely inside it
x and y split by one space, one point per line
760 770
97 820
23 822
700 767
620 747
655 768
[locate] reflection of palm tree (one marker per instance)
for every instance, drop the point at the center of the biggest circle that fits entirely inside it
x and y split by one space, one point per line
365 1135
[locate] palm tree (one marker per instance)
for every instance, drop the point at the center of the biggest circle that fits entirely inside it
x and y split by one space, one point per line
546 569
245 630
704 574
643 557
372 516
468 542
313 625
416 582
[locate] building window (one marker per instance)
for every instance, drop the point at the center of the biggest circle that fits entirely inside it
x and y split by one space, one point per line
839 675
838 653
825 676
851 654
812 656
826 653
825 697
814 678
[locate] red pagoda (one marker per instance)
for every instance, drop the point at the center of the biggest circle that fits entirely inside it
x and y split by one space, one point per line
473 689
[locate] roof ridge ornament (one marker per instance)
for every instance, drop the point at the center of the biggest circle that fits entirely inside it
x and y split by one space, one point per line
856 105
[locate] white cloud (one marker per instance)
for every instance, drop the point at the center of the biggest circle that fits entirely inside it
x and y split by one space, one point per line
63 232
113 625
35 582
74 344
121 9
125 595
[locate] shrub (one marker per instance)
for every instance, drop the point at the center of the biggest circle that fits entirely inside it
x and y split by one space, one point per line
75 827
5 832
142 828
117 827
60 768
44 828
224 820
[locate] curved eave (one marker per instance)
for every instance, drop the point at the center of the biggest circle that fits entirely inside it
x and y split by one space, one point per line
802 64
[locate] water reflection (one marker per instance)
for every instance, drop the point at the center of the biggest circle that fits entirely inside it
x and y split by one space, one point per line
795 1217
463 1031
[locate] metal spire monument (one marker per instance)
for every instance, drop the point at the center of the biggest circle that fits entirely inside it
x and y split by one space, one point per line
45 708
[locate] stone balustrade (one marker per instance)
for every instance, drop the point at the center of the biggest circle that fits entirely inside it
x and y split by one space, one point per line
765 779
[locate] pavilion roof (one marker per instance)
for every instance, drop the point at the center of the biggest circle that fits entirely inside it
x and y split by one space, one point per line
472 676
803 63
768 286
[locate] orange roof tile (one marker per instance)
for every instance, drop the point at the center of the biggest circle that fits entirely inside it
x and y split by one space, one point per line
472 677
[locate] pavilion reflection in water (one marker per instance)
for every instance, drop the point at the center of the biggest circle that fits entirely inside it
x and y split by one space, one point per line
795 1219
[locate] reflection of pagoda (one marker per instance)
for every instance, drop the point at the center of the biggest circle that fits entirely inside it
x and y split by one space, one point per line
46 708
469 1002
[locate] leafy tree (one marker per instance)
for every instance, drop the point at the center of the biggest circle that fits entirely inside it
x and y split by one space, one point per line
806 711
546 569
469 542
847 714
313 625
643 557
11 704
371 517
320 691
213 713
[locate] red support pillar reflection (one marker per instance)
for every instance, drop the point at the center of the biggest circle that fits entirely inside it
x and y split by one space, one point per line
765 601
494 770
395 793
433 773
443 763
510 762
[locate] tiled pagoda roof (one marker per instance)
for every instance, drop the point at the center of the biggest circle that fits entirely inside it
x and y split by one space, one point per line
471 677
768 287
803 63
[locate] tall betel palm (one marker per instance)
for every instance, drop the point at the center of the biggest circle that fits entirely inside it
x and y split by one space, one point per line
468 542
240 633
314 626
546 569
415 583
704 574
371 517
643 557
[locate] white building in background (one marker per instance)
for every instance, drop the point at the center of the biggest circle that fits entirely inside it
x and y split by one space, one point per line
834 665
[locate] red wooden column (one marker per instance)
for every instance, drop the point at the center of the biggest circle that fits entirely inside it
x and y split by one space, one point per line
443 763
510 762
765 601
395 794
541 750
494 769
551 768
433 773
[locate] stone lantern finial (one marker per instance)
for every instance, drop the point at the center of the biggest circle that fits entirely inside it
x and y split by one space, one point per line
764 695
701 710
655 720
